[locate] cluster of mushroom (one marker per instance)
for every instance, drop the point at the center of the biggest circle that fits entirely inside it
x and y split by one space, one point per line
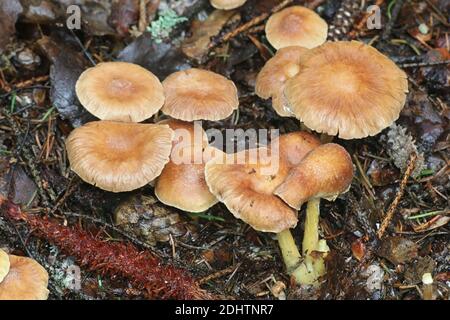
22 278
117 154
347 89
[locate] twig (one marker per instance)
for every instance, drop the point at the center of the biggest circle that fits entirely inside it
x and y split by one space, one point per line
219 274
255 21
390 213
360 25
424 64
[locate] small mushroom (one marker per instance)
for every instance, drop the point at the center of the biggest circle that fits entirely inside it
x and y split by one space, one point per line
196 94
227 4
120 91
245 182
326 172
296 26
271 80
4 265
347 89
182 182
117 156
26 280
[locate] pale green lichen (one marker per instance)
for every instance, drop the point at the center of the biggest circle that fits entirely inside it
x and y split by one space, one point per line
163 26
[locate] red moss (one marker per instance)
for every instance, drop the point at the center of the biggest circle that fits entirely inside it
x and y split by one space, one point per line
142 268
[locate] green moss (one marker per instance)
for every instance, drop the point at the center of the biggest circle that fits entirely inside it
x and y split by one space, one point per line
166 22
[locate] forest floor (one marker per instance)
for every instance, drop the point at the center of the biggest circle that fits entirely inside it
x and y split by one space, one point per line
40 60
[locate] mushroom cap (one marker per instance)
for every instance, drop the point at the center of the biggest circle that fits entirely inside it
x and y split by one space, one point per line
294 146
296 26
325 172
120 91
4 265
26 280
182 184
272 78
227 4
247 191
117 156
347 88
196 94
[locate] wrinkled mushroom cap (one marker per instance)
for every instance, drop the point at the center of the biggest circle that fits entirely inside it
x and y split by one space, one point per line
26 280
227 4
120 91
4 264
296 26
271 80
183 185
325 172
248 192
117 156
347 88
196 94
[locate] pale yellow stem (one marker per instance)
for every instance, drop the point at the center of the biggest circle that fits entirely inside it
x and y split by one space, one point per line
289 250
311 235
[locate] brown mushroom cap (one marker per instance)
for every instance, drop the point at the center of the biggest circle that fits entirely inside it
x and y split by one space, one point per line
120 91
325 172
248 192
196 94
296 26
26 280
4 265
117 156
183 185
347 88
271 80
227 4
294 146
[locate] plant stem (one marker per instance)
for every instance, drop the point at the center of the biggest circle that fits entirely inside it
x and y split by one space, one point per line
289 250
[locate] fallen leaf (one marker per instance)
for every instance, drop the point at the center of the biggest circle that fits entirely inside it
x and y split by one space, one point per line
358 249
67 65
398 250
9 12
196 46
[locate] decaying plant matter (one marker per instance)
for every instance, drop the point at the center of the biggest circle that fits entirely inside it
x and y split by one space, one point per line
142 268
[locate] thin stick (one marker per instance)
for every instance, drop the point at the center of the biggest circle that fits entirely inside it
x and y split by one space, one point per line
255 21
390 213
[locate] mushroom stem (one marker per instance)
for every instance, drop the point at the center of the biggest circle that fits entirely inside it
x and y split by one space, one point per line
313 265
289 250
311 235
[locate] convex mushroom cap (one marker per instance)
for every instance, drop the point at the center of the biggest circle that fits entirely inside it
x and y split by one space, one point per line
294 146
227 4
296 26
271 80
117 156
182 182
245 181
247 190
325 172
196 94
120 91
347 88
4 264
26 280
